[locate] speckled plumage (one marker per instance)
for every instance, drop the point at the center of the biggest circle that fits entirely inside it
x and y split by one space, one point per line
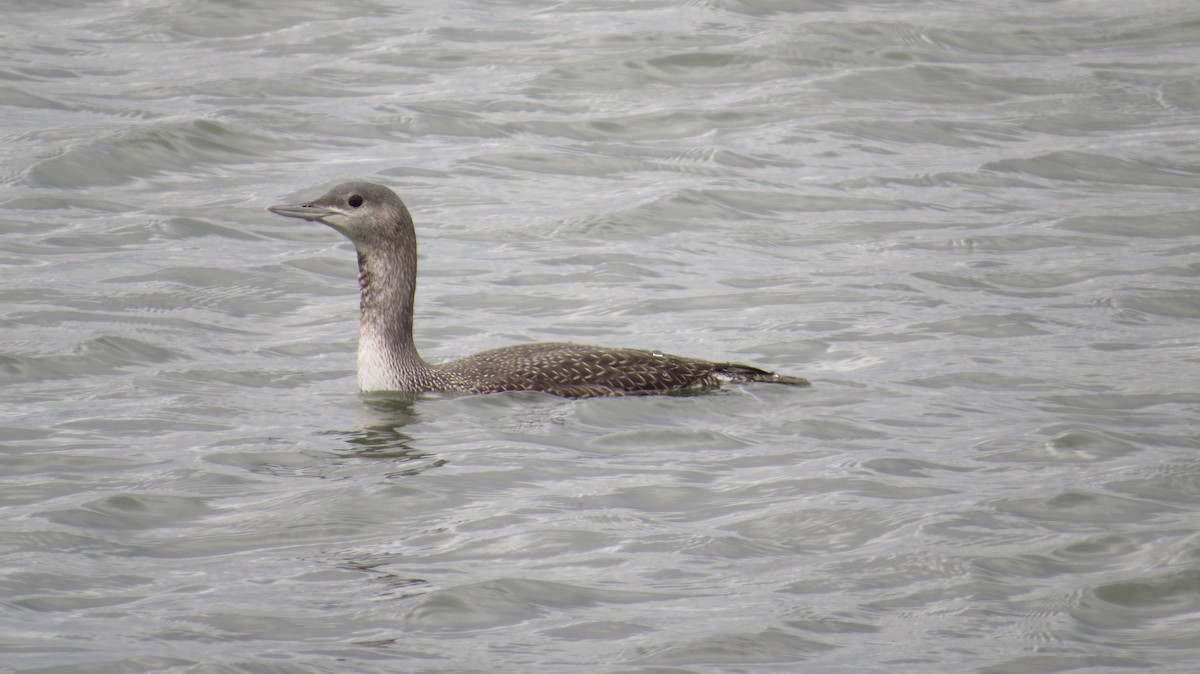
376 220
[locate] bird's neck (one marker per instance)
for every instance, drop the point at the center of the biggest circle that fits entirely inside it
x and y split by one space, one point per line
387 356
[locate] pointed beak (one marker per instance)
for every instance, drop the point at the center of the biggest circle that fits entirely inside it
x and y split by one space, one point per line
302 211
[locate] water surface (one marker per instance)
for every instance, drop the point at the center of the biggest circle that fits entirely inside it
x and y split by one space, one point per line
974 227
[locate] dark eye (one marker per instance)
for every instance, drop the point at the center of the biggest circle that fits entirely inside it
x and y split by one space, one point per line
355 201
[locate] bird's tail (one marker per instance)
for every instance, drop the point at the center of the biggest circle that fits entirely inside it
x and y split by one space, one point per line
744 373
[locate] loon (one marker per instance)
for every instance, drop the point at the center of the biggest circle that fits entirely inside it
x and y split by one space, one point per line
375 219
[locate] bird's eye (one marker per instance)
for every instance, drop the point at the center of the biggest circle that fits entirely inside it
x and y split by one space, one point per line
355 201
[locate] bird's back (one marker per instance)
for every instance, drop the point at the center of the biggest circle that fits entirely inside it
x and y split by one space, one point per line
582 371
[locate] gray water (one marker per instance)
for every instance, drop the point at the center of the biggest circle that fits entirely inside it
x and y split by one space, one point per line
974 226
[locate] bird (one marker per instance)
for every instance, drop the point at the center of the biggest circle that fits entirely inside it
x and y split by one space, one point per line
376 220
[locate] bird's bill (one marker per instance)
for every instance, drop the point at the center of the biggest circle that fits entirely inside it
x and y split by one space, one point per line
302 211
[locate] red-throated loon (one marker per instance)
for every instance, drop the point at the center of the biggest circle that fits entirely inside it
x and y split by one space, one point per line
376 220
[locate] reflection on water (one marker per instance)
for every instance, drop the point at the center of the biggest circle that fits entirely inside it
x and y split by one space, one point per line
381 437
